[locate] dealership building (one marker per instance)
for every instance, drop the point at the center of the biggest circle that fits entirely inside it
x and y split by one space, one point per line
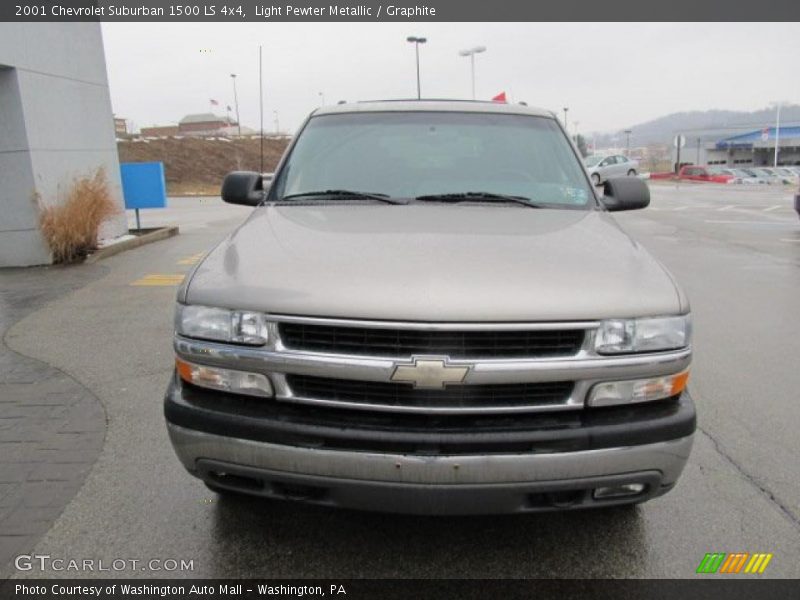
742 146
56 125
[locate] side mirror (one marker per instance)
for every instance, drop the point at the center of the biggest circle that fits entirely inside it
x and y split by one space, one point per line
625 193
244 187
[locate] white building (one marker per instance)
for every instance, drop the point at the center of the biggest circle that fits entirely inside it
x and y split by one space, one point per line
56 124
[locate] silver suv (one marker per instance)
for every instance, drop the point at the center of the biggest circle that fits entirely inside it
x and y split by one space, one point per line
431 310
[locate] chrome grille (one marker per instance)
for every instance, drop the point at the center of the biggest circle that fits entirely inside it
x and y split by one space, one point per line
379 342
551 393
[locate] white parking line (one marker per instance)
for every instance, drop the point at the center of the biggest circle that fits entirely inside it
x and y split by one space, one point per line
743 222
771 208
791 241
728 207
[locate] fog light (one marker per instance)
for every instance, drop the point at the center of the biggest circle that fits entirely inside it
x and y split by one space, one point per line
612 393
225 380
618 491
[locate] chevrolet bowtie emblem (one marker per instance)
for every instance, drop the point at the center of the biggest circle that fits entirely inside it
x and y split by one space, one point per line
429 373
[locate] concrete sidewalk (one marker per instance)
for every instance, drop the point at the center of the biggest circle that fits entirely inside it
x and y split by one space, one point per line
51 427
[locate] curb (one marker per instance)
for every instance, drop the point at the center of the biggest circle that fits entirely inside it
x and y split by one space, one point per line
153 236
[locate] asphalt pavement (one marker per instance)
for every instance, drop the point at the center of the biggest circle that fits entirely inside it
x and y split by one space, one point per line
737 253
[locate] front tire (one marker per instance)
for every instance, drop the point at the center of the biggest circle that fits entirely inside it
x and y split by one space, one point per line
632 173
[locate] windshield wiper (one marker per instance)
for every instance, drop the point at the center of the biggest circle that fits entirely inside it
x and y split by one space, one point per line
347 194
479 197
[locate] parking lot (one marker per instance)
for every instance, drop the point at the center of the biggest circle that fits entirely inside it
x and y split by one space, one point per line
736 251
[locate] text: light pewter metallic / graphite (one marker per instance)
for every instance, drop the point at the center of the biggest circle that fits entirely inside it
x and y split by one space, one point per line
264 11
391 10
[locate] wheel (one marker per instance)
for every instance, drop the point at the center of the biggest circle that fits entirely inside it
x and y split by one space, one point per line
596 178
632 173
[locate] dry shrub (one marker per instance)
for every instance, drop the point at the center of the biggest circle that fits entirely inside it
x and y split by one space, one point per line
71 227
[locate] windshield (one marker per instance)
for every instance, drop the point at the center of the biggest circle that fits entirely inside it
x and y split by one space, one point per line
591 161
412 154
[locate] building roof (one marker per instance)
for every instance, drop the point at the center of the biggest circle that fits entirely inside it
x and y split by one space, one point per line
747 140
435 106
203 118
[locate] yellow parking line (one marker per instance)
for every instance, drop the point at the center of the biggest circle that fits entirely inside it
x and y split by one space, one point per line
190 260
155 279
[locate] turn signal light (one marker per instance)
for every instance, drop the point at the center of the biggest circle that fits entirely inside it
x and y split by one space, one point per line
225 380
612 393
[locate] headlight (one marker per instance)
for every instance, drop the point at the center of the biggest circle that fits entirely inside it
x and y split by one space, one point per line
221 324
624 336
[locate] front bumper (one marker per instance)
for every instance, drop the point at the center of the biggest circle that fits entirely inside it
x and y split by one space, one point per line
366 468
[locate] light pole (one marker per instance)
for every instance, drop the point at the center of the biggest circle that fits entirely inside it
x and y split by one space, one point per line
417 41
777 132
628 142
322 97
236 104
575 126
277 127
566 125
471 53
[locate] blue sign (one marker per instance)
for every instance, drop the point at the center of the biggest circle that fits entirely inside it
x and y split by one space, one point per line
143 185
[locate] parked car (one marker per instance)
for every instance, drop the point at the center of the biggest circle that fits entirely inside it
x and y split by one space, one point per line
781 174
432 310
797 202
696 173
601 168
767 175
743 177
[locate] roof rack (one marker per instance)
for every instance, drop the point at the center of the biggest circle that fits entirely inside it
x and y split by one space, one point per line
429 100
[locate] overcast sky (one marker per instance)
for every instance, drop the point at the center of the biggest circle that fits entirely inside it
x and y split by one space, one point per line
611 76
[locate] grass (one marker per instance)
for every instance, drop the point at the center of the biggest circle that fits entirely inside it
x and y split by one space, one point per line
71 227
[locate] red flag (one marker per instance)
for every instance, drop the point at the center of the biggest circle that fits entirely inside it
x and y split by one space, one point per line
501 97
213 102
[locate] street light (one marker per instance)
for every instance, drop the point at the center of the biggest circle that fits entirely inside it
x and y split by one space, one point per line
566 126
277 126
236 104
417 41
322 97
628 142
777 131
471 53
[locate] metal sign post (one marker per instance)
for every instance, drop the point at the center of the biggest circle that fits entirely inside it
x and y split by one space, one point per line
679 142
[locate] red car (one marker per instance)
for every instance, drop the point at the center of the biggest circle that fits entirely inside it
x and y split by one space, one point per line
694 173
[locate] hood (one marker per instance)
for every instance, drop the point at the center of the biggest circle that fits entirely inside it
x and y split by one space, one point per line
433 262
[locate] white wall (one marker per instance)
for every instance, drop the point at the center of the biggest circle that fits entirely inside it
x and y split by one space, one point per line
56 124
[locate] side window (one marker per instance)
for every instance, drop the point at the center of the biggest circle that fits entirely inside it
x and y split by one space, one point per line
607 161
621 160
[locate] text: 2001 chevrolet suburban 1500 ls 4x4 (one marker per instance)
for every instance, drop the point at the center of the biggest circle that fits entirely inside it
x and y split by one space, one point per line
431 310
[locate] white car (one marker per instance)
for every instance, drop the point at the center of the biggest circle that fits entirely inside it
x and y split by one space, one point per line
742 176
601 168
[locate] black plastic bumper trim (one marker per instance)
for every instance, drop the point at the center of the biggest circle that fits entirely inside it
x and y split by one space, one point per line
290 424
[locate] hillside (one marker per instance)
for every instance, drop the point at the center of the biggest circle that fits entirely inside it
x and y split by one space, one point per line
197 165
663 129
